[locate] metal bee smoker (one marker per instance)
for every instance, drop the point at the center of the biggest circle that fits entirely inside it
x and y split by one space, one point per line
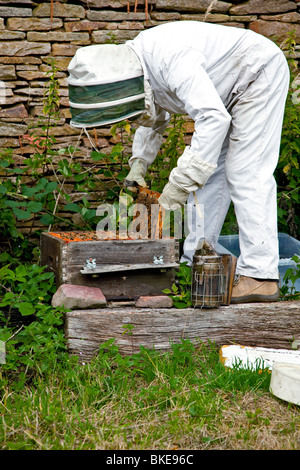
207 287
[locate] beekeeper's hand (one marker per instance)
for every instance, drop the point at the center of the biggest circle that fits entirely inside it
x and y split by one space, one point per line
172 197
136 174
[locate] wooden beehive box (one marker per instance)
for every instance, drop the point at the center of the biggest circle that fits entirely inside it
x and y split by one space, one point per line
124 269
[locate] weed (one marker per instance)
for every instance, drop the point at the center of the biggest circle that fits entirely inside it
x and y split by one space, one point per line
180 291
288 290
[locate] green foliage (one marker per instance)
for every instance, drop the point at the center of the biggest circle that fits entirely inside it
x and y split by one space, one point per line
171 149
180 292
287 173
26 290
24 285
288 290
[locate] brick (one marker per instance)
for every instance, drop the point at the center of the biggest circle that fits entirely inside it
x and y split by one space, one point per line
158 301
78 297
59 10
34 24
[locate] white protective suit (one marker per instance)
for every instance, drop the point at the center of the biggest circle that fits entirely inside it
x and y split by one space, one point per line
233 83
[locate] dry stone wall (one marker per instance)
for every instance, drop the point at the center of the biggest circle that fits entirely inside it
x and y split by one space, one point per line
31 33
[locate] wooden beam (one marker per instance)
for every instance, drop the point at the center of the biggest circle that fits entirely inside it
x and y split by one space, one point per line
273 325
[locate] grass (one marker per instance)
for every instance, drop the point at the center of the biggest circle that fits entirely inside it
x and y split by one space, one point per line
179 400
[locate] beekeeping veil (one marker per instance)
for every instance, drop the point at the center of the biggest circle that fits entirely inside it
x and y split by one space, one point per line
106 85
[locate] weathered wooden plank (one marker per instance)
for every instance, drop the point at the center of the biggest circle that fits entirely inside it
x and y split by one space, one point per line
126 284
273 325
102 269
67 260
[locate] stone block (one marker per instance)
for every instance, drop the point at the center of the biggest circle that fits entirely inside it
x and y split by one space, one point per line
190 5
34 24
104 15
57 36
61 62
12 129
59 10
292 17
131 25
9 12
265 7
24 48
114 4
64 49
275 29
11 35
84 25
7 72
20 60
36 74
157 301
72 296
18 111
102 37
210 18
163 16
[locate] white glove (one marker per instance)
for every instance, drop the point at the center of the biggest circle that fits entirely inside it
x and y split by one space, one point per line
172 197
136 174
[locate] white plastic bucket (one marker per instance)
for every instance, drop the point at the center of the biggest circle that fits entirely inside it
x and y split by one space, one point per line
285 382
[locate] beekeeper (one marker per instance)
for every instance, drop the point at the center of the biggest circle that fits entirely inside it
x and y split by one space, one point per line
233 83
